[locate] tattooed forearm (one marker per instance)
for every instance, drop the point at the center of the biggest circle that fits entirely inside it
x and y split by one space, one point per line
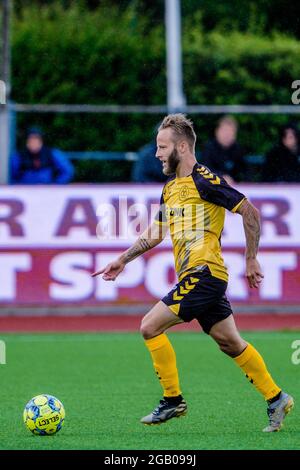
141 246
145 244
251 223
151 237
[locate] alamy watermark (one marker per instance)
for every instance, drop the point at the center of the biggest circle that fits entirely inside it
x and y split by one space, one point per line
296 354
126 220
2 352
2 92
296 94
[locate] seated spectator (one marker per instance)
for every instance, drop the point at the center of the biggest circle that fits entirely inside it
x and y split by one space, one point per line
223 155
147 168
38 164
282 162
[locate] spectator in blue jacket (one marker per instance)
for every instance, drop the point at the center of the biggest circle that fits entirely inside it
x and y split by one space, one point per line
147 168
38 164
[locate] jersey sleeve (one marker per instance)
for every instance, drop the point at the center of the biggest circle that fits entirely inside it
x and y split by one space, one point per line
215 189
161 216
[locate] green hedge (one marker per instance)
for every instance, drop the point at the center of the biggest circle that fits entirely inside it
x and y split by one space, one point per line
241 68
107 57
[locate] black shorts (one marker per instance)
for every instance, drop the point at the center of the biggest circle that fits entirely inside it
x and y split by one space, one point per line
202 296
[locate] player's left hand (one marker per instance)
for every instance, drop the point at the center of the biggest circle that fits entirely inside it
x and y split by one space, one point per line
253 273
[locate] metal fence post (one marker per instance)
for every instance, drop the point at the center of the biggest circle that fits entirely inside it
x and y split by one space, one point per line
4 143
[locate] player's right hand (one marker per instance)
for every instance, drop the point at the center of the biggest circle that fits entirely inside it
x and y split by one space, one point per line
111 271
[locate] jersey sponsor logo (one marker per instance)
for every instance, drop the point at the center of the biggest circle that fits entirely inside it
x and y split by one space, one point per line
211 177
175 211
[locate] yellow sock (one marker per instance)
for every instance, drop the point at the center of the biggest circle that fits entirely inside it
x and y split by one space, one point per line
251 362
164 361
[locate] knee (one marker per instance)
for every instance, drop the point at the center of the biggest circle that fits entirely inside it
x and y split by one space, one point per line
147 330
226 349
233 347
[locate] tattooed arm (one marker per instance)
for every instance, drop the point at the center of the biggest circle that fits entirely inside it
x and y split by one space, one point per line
251 221
151 237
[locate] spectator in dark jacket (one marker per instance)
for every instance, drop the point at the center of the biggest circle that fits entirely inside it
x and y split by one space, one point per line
223 155
38 164
282 162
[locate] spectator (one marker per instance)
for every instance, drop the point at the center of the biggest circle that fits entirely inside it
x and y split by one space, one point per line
148 168
223 155
38 164
282 162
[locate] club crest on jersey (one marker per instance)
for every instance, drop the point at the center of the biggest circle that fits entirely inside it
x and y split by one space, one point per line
184 193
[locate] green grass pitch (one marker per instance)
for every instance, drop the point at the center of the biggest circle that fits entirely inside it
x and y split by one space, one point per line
106 383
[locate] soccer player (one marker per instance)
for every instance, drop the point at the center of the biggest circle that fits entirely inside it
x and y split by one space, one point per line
192 206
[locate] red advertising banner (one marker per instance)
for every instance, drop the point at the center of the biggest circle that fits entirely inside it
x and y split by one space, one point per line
52 238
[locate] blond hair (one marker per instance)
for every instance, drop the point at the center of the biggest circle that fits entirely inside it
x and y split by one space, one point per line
181 126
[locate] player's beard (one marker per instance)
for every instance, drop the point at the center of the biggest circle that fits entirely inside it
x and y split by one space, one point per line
172 163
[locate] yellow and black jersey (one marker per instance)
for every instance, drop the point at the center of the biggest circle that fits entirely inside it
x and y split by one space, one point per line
194 209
